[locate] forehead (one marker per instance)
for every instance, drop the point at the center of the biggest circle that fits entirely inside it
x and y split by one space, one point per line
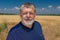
28 9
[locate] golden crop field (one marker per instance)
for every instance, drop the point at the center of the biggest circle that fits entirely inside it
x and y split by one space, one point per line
50 25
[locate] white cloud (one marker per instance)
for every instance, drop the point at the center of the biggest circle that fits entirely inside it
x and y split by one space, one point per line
16 8
43 8
10 10
50 6
58 7
5 8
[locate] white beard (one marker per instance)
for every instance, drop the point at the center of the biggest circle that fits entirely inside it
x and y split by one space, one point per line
27 23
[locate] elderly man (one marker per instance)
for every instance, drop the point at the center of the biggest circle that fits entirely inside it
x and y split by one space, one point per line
28 28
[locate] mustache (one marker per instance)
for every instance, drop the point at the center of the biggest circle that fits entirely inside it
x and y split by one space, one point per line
27 18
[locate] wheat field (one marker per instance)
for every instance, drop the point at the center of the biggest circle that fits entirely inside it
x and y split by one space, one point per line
50 25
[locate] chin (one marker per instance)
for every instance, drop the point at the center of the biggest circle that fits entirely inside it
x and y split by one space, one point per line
27 23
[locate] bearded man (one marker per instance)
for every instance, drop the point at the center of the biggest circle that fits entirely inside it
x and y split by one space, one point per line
27 28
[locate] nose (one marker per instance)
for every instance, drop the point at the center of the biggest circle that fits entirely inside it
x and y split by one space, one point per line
28 14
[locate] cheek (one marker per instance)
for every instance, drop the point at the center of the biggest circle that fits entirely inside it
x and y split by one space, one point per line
23 16
33 16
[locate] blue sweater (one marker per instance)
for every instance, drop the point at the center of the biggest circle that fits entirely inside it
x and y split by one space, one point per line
21 32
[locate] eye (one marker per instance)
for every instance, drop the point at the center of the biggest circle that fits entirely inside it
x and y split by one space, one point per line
27 13
24 13
31 13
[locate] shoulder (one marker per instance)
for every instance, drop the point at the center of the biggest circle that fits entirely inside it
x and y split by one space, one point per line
37 23
14 28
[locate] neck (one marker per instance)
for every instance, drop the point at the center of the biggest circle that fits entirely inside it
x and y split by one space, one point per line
30 26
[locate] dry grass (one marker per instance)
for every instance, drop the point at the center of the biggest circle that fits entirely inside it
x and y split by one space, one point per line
50 25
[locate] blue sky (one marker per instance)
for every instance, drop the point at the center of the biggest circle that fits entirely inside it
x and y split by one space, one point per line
42 6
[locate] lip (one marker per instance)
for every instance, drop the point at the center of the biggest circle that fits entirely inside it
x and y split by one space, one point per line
27 20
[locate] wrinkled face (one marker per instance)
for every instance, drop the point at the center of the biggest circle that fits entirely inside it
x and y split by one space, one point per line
27 15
